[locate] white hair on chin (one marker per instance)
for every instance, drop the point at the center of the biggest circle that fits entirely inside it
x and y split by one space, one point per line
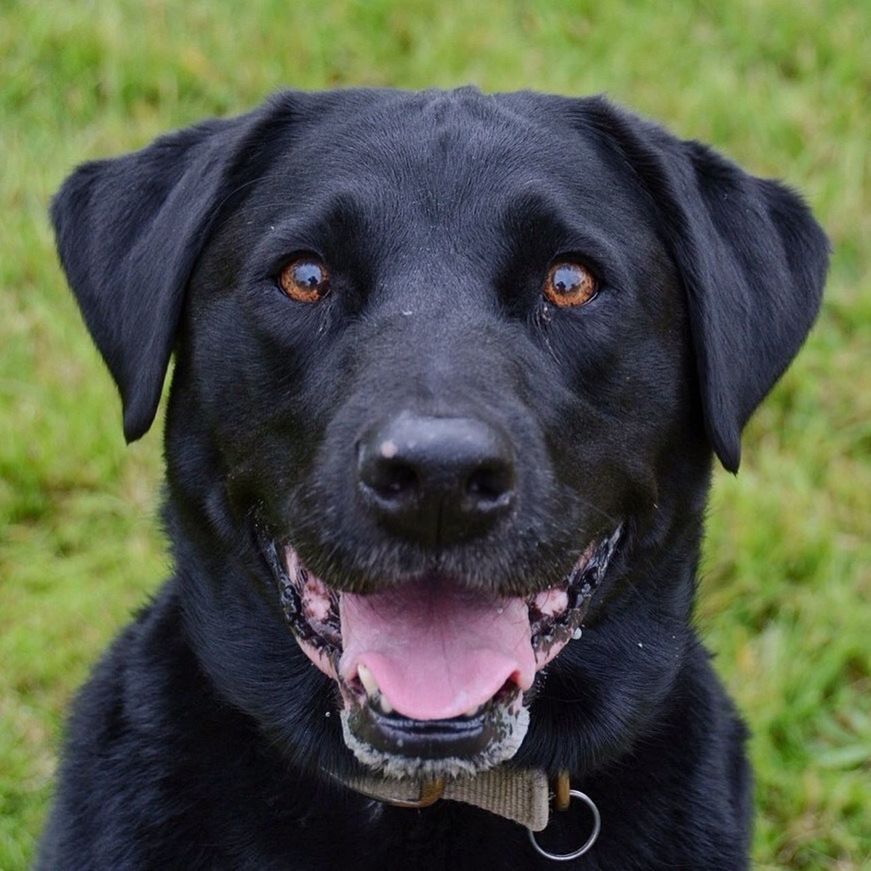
513 730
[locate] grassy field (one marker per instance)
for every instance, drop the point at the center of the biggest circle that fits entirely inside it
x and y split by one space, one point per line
781 86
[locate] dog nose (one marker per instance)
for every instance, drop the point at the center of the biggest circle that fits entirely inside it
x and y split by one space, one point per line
436 480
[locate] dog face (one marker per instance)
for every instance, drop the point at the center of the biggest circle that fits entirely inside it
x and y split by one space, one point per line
449 370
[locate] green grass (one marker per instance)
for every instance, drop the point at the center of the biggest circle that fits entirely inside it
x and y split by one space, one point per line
781 86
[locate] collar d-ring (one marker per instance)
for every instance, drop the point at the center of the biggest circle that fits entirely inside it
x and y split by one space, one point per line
597 825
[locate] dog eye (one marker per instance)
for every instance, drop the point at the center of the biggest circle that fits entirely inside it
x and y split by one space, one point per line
305 279
569 284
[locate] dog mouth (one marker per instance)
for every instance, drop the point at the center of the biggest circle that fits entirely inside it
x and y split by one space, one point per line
434 677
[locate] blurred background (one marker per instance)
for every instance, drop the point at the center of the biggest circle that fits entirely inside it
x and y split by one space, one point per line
782 87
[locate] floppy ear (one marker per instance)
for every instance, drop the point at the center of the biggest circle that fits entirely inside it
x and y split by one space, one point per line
750 255
129 231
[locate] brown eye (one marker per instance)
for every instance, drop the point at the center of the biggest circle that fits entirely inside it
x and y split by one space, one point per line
304 279
569 284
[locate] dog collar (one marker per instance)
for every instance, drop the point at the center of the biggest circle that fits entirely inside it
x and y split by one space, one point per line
521 795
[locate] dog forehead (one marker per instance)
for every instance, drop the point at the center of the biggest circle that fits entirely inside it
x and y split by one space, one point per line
440 147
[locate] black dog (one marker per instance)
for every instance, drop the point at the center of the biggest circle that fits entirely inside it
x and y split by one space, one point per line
449 372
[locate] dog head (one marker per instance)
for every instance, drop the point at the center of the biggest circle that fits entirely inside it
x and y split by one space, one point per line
449 372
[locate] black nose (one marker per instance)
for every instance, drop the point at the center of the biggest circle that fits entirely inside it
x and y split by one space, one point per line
436 480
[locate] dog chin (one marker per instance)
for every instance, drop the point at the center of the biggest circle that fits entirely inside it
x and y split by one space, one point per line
434 678
514 725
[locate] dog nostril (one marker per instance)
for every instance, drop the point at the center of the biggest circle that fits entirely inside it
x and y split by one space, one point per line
490 483
389 477
384 472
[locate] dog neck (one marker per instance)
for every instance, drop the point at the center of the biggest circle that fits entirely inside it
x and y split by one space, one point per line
520 795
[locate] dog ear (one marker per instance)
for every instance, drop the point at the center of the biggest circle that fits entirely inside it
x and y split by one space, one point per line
129 231
751 257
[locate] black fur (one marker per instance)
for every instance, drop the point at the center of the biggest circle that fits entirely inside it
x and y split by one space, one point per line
201 738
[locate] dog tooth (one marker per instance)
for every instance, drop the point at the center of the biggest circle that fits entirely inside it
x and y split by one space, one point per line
577 634
386 707
367 679
472 711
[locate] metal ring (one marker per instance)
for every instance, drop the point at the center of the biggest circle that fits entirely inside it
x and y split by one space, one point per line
597 825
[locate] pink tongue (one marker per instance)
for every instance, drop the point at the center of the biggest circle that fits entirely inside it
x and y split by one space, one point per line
434 651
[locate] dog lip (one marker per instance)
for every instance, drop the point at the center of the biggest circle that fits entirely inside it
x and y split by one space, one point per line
463 736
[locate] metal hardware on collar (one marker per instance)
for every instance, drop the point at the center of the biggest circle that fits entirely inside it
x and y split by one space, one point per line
597 825
430 792
562 791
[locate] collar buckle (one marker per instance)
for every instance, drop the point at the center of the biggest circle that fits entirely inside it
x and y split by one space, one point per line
430 792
